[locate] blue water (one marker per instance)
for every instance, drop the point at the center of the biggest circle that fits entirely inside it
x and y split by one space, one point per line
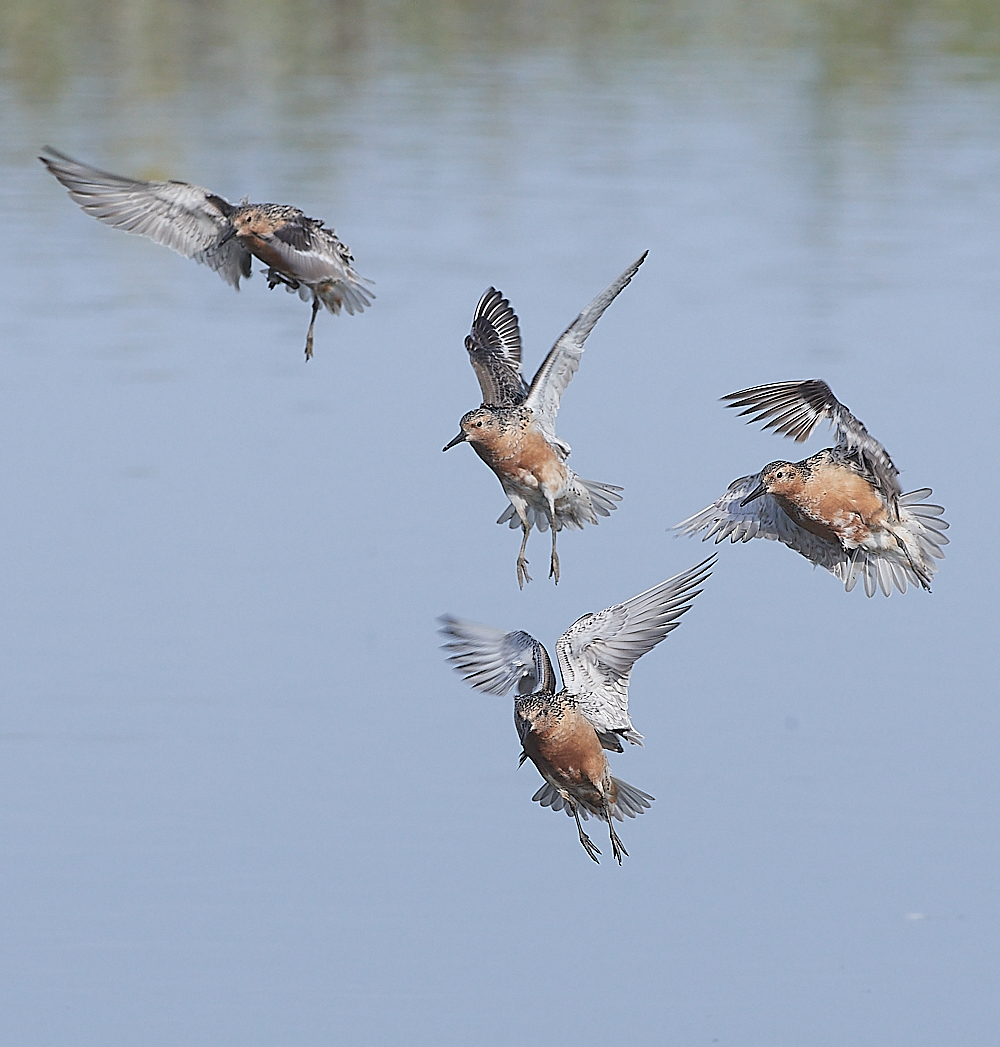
243 800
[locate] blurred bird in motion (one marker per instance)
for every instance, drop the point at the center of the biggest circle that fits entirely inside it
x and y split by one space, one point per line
842 508
298 251
564 733
514 430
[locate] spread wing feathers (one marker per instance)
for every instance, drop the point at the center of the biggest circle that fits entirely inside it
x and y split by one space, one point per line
563 360
185 218
318 258
494 346
494 661
631 801
795 409
761 518
583 502
596 653
919 530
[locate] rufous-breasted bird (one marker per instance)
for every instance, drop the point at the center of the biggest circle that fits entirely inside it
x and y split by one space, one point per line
842 508
514 431
564 732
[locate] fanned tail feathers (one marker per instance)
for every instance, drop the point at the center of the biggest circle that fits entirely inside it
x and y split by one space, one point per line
631 801
348 294
583 502
920 537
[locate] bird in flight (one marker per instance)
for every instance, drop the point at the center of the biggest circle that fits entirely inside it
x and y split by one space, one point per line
514 431
842 508
300 252
564 732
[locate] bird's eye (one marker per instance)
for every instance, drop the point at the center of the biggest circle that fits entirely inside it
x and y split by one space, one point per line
479 425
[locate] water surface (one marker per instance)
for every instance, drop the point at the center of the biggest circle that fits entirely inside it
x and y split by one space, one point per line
244 800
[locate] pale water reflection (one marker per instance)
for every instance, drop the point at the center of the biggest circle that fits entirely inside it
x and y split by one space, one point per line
245 801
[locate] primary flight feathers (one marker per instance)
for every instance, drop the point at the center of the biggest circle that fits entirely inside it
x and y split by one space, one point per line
595 654
794 409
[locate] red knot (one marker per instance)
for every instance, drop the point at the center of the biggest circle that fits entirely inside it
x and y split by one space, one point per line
842 508
514 430
300 253
564 733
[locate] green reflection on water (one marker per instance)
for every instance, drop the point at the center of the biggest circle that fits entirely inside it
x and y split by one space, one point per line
158 47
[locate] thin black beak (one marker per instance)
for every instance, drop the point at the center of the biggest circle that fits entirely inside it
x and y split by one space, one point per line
230 233
458 439
761 489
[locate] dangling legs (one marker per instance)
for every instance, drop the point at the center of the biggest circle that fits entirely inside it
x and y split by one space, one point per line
588 844
554 562
617 847
309 335
522 564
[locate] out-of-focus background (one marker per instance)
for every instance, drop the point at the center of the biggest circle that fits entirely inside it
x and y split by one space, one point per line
243 801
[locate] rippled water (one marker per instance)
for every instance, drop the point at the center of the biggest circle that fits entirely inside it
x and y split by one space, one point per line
244 800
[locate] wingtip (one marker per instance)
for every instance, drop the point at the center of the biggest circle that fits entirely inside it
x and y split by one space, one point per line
702 571
634 267
54 154
446 623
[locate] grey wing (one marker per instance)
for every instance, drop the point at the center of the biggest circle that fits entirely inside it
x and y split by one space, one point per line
186 218
795 409
494 661
762 518
563 360
596 653
494 346
316 255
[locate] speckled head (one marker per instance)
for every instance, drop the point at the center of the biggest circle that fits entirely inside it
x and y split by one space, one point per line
541 707
779 478
476 426
251 219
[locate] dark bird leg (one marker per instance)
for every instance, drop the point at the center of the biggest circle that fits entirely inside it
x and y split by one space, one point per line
309 335
921 574
617 847
554 562
522 564
588 844
274 278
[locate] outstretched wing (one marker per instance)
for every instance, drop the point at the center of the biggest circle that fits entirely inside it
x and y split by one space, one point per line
185 218
762 518
494 346
596 653
494 661
795 409
563 360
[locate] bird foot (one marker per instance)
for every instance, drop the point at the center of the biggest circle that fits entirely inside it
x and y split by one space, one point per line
591 848
617 847
554 568
522 572
274 278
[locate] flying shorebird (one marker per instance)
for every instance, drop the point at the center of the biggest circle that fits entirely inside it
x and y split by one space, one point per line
514 431
564 733
299 252
842 508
